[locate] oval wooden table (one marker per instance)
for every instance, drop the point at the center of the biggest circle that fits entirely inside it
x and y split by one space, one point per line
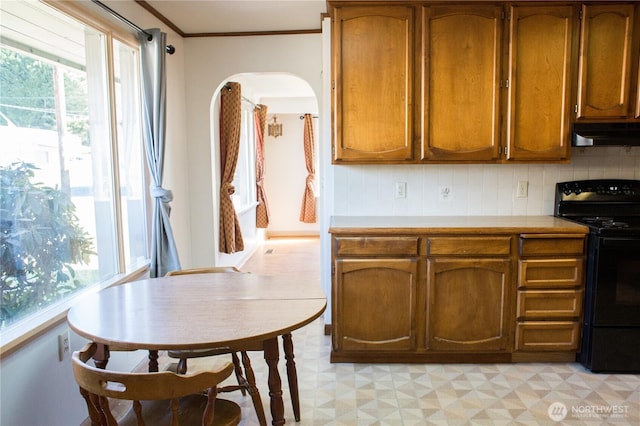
201 311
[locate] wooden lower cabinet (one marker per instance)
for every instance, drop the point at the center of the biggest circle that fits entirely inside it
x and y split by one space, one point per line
376 303
456 298
469 293
469 305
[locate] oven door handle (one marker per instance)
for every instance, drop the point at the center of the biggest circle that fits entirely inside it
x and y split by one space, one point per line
620 243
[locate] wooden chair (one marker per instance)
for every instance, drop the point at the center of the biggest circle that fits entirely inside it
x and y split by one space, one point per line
162 398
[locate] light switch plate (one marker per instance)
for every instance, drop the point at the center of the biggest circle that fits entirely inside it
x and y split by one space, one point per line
401 190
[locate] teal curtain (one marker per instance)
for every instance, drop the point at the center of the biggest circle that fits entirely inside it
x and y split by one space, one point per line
164 254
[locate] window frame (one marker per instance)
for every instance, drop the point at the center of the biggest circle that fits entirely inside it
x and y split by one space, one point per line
24 331
245 166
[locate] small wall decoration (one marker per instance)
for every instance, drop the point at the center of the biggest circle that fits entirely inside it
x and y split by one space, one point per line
275 128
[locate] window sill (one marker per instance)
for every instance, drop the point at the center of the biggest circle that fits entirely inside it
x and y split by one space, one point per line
249 207
20 334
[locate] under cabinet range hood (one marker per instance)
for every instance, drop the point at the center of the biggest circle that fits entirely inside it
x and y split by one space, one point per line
606 134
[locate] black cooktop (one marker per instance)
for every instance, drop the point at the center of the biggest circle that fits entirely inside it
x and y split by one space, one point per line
607 206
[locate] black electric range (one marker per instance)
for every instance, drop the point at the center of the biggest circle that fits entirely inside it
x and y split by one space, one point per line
611 326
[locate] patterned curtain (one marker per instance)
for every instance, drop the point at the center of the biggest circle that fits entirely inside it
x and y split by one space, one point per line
262 211
308 210
230 119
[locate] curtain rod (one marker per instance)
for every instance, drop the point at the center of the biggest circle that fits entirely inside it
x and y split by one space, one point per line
170 49
313 116
243 98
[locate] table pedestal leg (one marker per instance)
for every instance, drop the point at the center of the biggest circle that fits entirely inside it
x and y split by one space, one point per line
271 356
101 357
292 375
153 361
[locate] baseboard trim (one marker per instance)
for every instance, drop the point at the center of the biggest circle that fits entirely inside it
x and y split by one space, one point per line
291 234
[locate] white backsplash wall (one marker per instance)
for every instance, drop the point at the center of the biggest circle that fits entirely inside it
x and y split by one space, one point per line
473 189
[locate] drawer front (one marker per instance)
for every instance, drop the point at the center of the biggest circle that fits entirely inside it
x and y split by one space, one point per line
550 273
469 246
547 336
407 246
550 245
549 304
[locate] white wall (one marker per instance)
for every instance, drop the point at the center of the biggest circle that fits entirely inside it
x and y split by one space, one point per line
285 177
474 189
209 62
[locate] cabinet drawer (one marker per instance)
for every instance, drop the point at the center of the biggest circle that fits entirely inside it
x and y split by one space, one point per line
465 246
549 304
550 273
551 244
377 246
547 336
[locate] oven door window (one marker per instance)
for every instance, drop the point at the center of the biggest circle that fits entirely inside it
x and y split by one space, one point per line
617 300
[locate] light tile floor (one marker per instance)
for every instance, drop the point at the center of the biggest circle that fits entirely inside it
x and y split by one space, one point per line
442 394
434 394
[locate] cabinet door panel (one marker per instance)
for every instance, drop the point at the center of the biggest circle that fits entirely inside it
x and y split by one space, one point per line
376 304
462 74
539 95
373 71
604 74
469 304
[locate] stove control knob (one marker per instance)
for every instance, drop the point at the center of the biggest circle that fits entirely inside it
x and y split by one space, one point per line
626 190
600 189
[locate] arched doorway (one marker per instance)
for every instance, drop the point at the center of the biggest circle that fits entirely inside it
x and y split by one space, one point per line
288 97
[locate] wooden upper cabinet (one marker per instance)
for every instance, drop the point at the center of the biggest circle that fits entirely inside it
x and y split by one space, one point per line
542 41
421 82
461 87
373 65
606 59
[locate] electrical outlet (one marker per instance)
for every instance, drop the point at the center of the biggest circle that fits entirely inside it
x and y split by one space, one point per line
523 189
401 190
445 193
64 346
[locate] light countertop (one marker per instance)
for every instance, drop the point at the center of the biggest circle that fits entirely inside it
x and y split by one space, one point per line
454 224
